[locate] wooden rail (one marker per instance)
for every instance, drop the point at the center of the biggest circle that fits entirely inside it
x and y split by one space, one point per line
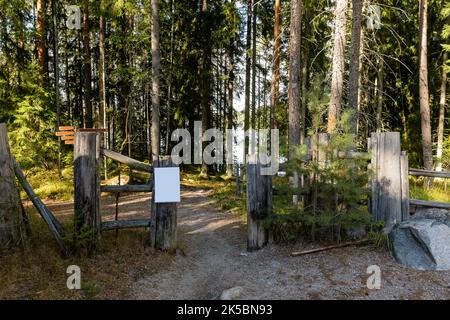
429 204
429 173
55 227
123 224
127 188
132 163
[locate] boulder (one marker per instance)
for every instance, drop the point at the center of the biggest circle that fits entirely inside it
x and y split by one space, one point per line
422 244
441 215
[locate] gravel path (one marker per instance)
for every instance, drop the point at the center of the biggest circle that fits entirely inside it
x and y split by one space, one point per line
212 258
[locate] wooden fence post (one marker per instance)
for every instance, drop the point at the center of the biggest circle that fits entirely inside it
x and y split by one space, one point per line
404 167
259 203
163 226
87 184
387 195
11 221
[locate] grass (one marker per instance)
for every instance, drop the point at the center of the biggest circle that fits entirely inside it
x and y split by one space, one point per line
439 192
37 271
49 185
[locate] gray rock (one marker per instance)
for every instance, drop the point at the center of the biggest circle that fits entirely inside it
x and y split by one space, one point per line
231 294
422 244
441 215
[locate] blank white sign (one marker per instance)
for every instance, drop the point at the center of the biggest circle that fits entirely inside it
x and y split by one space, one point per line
167 185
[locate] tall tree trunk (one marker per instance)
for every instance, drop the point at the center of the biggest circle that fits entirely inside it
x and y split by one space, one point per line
353 88
101 69
423 87
379 85
338 64
170 87
275 83
248 61
56 75
156 66
253 109
442 102
87 76
41 45
295 83
102 119
205 76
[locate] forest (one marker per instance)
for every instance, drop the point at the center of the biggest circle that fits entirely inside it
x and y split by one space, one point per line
351 74
251 64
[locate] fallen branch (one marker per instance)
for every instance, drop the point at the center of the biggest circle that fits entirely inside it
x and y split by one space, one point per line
336 246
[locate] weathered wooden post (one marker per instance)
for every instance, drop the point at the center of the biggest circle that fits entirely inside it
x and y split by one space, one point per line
11 221
404 168
163 226
389 179
259 203
87 184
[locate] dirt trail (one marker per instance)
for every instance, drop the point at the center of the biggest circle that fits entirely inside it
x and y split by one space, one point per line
213 258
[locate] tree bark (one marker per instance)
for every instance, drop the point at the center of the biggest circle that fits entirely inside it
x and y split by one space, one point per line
42 46
354 62
295 83
248 61
205 76
379 84
423 87
275 83
230 94
87 76
101 70
156 66
442 102
253 109
338 64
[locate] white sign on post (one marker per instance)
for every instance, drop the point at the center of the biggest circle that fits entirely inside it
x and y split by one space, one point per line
167 185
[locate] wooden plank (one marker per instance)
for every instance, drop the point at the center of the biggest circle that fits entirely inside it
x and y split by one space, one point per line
428 173
404 185
430 204
66 128
127 188
132 163
64 133
68 137
163 231
86 185
48 217
124 224
11 221
388 180
69 142
259 203
100 130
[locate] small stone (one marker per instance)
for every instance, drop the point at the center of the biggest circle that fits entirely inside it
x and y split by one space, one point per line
231 294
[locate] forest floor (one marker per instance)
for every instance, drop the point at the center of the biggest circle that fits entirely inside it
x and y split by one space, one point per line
211 258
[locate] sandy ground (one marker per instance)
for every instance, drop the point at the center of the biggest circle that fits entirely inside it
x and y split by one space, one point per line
212 257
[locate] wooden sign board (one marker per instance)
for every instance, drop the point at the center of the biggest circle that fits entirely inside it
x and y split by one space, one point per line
72 142
67 128
167 185
64 133
68 137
